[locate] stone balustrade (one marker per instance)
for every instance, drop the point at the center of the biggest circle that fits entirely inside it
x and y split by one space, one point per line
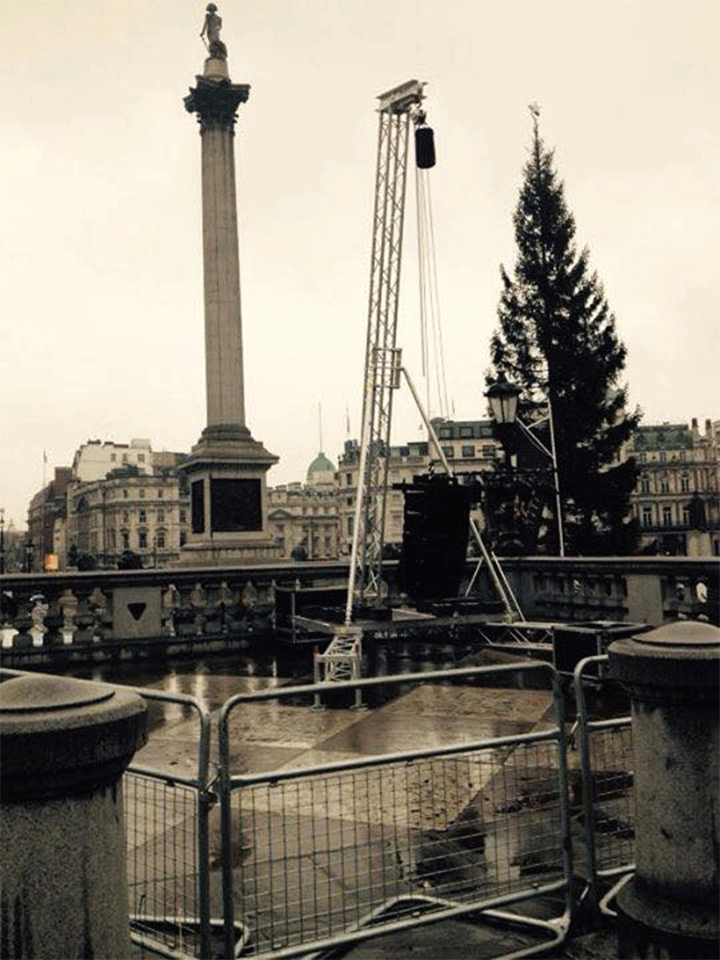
56 615
111 613
650 590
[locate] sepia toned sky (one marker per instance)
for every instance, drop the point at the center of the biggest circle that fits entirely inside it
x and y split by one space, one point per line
101 318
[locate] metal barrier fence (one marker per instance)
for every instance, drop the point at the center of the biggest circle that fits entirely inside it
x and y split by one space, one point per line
321 856
168 853
313 856
606 764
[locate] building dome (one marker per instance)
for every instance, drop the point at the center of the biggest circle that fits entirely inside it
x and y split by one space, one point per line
321 470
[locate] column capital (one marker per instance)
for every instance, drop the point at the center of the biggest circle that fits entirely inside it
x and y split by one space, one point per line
215 101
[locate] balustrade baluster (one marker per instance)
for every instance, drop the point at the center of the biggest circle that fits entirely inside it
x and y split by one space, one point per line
23 622
68 604
198 601
53 625
38 613
225 599
184 613
248 601
102 622
84 619
170 605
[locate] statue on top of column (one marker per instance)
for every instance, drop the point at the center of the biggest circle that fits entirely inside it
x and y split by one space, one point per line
211 30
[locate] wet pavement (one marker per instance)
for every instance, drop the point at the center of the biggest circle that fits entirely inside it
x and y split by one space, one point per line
317 855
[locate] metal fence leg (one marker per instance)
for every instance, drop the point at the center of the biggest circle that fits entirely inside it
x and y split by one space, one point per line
587 780
358 705
205 802
317 702
226 842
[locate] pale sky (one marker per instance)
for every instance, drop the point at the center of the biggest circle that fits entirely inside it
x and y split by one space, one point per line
100 230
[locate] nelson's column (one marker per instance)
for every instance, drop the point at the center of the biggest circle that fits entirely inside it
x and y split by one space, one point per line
226 467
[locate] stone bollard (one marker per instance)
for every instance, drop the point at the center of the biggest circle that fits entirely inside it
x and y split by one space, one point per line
64 745
670 907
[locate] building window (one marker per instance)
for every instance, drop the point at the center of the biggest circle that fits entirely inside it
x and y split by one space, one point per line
182 516
125 536
684 483
142 539
449 452
126 517
161 516
664 485
161 540
685 517
348 479
142 493
645 483
141 458
113 458
124 458
488 453
466 432
125 494
647 516
468 451
160 493
350 526
142 516
667 516
663 456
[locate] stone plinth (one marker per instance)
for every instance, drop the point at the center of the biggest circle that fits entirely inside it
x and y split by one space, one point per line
671 905
65 744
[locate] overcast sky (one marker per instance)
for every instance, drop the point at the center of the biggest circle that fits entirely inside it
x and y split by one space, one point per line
101 262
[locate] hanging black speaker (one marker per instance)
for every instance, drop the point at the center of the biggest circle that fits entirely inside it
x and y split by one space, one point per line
435 535
424 147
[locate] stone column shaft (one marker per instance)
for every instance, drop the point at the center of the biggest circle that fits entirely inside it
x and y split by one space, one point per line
223 318
226 468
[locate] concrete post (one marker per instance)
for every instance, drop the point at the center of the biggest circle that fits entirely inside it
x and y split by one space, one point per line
65 744
670 908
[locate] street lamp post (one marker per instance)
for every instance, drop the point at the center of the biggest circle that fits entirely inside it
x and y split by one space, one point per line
503 398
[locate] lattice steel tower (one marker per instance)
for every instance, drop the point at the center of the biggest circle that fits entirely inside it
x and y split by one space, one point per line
382 358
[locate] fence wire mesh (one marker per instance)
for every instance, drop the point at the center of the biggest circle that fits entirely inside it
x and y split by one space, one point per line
317 856
611 767
162 858
317 850
166 804
607 769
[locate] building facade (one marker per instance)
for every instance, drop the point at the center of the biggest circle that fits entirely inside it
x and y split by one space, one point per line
676 500
95 459
46 515
468 446
147 514
116 498
303 518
